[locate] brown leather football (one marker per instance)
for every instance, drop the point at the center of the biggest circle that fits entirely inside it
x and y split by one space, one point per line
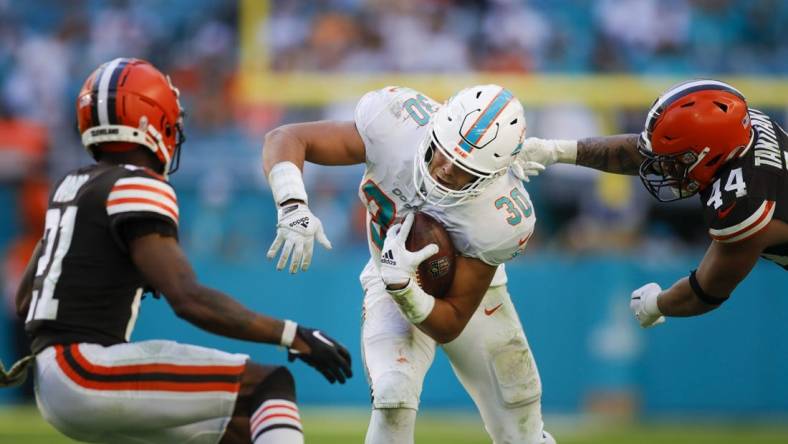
435 274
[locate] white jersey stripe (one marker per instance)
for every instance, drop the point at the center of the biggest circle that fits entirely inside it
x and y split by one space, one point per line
103 91
135 311
145 188
750 226
140 207
163 186
135 194
743 224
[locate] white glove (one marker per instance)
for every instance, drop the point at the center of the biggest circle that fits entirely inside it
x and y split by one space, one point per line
537 154
297 229
398 267
643 304
397 264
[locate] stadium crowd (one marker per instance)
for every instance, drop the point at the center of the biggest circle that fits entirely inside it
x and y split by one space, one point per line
46 47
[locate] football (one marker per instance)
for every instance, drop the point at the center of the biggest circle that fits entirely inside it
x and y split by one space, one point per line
435 274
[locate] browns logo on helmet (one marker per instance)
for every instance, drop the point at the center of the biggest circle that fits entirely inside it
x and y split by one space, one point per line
690 132
126 103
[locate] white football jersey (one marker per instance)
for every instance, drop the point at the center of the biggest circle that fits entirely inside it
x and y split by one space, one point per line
493 227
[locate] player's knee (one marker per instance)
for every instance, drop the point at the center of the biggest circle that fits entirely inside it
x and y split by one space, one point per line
393 390
515 373
277 384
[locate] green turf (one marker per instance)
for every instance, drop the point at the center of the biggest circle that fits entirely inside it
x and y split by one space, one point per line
25 426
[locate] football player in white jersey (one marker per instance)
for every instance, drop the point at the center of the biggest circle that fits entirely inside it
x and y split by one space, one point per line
451 161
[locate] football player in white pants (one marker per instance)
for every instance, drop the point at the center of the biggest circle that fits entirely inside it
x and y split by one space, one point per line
451 161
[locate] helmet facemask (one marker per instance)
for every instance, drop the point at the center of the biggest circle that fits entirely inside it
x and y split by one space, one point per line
691 131
666 177
479 130
434 192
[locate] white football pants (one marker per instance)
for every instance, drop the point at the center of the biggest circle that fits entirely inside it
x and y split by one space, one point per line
491 358
140 392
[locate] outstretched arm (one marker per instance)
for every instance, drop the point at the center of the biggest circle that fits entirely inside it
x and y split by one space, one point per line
286 148
723 267
613 154
164 266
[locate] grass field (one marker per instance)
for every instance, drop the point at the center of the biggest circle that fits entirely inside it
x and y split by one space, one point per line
25 426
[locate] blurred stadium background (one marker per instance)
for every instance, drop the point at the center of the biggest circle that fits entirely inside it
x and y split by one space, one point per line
581 68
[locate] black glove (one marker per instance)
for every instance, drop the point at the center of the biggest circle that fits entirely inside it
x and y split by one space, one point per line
326 355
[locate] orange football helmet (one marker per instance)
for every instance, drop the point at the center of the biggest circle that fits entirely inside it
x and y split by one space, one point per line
690 132
129 100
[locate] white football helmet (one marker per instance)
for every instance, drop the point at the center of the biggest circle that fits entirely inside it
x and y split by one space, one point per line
480 129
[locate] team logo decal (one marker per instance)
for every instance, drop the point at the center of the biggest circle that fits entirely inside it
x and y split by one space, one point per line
439 267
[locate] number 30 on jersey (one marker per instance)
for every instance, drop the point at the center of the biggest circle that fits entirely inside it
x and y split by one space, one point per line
516 206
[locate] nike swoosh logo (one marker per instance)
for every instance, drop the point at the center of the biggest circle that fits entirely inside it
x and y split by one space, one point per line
490 311
723 213
322 338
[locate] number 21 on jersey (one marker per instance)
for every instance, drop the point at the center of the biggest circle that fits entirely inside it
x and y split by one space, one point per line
58 232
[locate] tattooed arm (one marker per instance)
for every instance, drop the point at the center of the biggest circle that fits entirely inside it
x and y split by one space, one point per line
613 154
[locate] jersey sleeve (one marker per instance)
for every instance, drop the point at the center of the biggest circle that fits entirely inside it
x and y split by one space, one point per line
740 203
508 249
140 196
368 111
383 114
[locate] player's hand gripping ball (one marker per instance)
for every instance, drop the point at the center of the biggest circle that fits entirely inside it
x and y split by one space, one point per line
435 274
418 247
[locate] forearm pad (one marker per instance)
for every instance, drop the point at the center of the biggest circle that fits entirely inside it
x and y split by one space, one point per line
286 183
414 302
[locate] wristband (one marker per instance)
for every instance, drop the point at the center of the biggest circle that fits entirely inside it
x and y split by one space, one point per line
702 295
286 183
414 302
288 333
567 150
650 306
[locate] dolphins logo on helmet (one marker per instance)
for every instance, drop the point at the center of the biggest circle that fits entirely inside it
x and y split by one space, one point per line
480 130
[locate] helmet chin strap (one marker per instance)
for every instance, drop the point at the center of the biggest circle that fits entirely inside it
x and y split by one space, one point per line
697 162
